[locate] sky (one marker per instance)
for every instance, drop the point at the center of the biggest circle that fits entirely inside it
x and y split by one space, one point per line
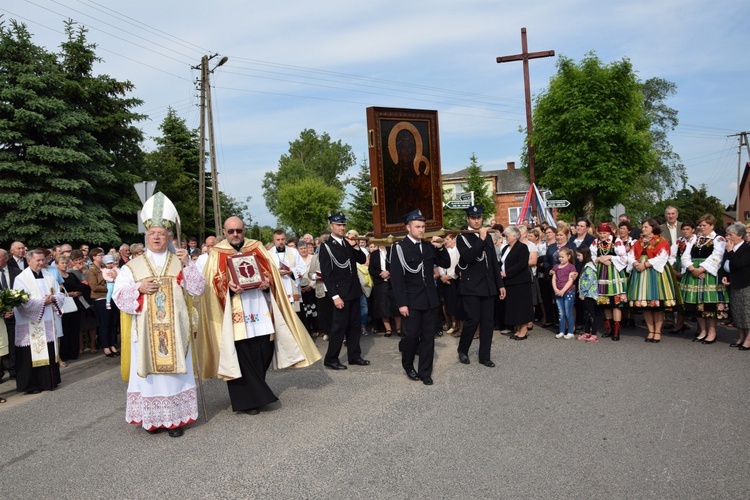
298 64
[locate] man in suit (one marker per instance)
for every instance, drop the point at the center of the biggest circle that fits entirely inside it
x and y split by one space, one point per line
18 256
480 283
7 280
338 266
672 229
416 297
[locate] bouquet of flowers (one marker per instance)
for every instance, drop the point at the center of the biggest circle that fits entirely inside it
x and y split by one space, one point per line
12 298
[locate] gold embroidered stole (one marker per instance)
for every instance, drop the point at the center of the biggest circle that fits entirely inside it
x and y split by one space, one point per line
161 327
37 330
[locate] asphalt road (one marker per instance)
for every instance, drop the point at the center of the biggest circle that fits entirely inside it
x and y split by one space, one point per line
554 419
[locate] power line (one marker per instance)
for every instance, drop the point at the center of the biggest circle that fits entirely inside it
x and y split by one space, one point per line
140 24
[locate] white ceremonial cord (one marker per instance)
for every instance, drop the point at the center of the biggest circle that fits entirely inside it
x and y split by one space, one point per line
420 267
478 259
345 265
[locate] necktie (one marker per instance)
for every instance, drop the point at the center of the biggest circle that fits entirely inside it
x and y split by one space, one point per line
3 279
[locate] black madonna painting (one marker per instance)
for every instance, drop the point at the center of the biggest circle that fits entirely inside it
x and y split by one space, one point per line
404 167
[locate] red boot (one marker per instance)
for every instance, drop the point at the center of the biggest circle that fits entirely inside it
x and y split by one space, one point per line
616 331
607 328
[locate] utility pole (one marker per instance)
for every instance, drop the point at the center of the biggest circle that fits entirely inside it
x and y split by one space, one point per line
207 111
202 154
742 137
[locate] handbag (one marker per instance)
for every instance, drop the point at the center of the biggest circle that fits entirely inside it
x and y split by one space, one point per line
69 304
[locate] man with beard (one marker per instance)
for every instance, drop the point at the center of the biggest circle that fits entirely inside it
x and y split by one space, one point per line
244 330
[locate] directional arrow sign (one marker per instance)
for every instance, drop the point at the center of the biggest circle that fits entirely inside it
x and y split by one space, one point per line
456 205
557 203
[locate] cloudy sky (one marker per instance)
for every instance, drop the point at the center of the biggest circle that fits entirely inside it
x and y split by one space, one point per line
301 64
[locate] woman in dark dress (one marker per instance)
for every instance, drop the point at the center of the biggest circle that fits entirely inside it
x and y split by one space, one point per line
519 309
71 322
737 264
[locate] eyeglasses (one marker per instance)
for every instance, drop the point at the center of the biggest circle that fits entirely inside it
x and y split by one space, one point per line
159 234
234 231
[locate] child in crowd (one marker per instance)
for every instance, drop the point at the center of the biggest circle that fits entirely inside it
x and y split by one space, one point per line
589 294
109 273
563 282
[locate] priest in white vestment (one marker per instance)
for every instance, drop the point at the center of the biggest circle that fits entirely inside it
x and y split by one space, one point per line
152 290
291 268
38 325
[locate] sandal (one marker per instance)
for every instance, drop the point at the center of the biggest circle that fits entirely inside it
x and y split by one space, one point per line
388 333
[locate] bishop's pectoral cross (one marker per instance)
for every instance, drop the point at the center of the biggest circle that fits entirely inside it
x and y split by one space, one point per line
524 56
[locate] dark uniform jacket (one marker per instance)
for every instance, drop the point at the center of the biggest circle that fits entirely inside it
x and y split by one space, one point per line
374 266
478 277
416 290
343 282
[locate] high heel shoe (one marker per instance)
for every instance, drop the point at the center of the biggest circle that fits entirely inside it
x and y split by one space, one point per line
650 337
681 329
388 333
699 339
655 340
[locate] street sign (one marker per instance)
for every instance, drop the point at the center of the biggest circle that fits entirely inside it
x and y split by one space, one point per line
466 196
457 204
145 191
557 203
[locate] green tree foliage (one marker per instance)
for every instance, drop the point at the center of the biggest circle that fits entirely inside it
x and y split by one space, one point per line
312 156
106 101
592 134
475 181
52 167
668 175
360 210
692 203
174 167
305 205
263 234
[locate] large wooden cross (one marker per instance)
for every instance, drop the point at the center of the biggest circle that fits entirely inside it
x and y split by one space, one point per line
525 56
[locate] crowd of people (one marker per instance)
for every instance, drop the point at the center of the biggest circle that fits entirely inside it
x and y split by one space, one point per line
582 281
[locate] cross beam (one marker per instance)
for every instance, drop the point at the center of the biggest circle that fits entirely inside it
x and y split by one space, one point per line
524 56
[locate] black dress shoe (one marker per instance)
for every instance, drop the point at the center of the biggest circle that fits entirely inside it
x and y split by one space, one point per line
255 411
427 380
360 362
709 341
743 348
463 358
488 362
154 431
175 433
735 344
412 374
335 366
699 339
521 338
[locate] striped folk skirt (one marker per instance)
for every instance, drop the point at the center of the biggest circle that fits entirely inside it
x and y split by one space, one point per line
651 289
707 296
612 286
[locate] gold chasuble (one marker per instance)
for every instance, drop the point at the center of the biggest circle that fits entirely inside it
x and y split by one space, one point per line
163 341
221 318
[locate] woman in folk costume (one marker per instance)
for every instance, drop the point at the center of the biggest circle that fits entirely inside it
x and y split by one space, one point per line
38 326
245 331
611 258
702 290
651 286
152 293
